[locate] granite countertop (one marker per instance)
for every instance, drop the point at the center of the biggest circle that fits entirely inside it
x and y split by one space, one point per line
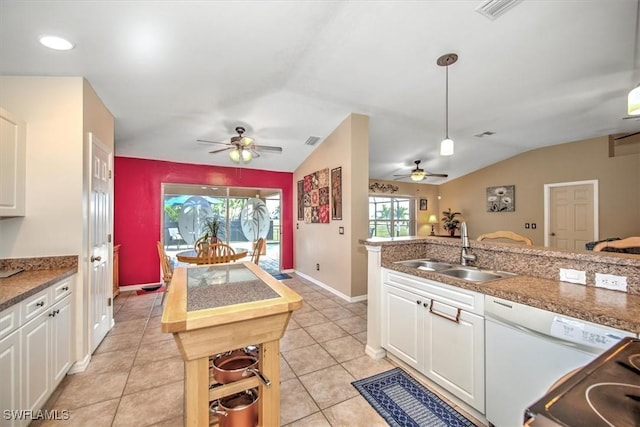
536 284
39 274
606 307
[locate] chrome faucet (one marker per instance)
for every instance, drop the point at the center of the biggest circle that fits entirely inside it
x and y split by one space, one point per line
464 236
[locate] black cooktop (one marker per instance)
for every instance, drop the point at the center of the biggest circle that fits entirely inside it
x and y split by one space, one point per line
606 392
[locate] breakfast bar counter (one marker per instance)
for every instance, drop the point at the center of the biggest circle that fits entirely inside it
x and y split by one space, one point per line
213 309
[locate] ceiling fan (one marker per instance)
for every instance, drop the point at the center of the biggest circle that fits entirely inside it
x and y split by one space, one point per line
242 147
418 174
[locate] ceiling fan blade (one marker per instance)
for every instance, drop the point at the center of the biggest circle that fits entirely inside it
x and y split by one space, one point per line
402 176
212 142
441 175
629 135
255 154
267 148
220 150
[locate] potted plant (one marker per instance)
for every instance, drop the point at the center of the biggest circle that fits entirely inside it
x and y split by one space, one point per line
451 223
210 228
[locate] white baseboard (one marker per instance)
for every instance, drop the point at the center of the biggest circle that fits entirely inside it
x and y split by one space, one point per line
330 289
80 366
375 354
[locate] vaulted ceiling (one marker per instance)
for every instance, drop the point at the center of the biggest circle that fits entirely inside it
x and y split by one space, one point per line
172 72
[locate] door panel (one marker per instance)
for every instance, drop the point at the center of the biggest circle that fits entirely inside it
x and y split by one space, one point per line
99 229
571 219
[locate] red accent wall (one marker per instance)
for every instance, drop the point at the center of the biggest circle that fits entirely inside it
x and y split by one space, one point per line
137 208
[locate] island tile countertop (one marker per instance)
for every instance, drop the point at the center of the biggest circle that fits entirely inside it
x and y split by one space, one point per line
602 306
38 274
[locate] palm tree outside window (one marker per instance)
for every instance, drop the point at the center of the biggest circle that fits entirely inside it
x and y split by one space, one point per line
391 216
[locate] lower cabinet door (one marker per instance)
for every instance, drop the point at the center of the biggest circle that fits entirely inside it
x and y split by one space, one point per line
35 362
10 374
60 340
402 325
454 352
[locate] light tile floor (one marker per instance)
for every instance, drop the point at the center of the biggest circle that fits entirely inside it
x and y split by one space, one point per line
136 375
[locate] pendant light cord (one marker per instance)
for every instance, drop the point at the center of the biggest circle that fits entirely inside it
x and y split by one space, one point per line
446 104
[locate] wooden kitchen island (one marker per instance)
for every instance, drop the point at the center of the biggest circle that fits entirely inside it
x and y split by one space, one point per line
212 309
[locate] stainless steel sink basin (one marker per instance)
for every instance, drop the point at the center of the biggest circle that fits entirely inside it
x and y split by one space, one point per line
474 274
426 264
468 273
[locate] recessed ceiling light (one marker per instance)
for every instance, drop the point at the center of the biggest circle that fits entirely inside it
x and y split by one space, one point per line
55 42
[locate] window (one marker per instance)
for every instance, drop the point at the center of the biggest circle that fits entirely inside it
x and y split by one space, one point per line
391 217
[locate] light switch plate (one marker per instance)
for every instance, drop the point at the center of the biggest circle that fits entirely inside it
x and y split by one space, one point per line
573 276
611 281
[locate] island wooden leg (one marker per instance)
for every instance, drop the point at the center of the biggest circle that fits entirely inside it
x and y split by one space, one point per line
196 392
269 402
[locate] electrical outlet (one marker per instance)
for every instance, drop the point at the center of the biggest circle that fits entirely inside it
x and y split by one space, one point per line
610 281
573 276
318 267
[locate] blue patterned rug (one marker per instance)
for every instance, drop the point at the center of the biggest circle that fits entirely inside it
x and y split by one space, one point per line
281 276
402 401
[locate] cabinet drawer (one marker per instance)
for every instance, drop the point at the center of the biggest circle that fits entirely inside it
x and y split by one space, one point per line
61 290
460 298
9 320
35 305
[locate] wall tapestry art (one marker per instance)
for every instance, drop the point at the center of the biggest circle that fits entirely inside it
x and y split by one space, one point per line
301 200
501 199
336 193
316 197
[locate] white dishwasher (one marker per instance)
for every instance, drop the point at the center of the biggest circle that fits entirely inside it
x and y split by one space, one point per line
527 349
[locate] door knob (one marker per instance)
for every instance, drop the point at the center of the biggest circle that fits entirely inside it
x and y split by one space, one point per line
553 234
96 258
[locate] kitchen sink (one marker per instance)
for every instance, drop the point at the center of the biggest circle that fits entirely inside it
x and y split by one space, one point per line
470 274
426 264
474 274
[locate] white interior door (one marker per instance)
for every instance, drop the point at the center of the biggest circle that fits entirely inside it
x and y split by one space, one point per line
571 214
100 311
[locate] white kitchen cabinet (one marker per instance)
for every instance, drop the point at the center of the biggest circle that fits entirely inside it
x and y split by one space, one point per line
454 352
438 330
37 354
11 376
12 164
36 371
403 324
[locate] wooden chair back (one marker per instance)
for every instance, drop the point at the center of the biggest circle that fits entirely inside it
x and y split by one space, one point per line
167 269
215 253
509 235
257 250
628 243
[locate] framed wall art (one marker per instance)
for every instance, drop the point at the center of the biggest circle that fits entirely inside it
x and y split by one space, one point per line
501 199
316 197
423 204
336 193
301 200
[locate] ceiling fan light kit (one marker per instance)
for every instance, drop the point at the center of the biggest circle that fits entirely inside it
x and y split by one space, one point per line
446 146
634 101
417 175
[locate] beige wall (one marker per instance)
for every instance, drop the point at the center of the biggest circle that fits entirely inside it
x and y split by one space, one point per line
417 191
618 181
342 260
59 112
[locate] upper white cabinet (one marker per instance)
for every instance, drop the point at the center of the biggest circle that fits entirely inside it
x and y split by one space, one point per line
12 164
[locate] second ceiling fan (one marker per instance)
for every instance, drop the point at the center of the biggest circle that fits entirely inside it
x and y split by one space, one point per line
419 174
242 147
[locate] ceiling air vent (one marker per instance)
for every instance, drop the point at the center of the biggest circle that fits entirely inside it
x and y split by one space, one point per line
312 140
494 8
483 134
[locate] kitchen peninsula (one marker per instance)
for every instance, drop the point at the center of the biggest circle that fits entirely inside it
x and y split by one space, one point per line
216 308
438 323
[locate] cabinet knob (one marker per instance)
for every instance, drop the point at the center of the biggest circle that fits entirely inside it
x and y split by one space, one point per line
52 314
65 288
418 302
425 305
40 304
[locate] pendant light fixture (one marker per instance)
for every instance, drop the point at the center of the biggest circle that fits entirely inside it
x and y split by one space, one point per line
446 146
